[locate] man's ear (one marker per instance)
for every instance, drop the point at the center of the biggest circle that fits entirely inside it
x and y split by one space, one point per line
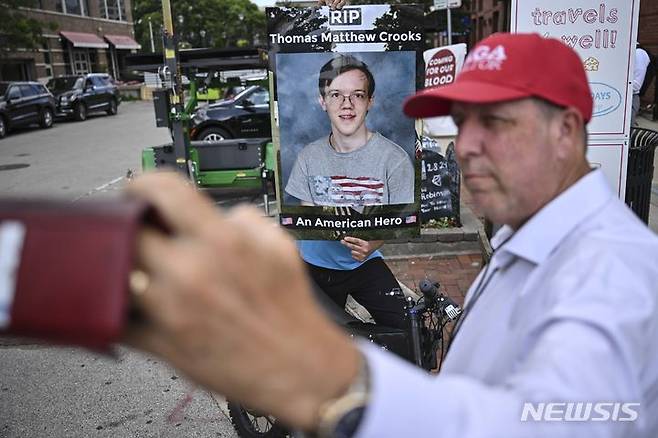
323 104
569 133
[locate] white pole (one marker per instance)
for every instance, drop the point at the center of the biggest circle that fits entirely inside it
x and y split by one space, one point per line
449 27
151 33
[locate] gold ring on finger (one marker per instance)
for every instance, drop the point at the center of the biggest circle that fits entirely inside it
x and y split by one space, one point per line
139 281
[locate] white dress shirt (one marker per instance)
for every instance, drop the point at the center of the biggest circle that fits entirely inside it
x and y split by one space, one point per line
569 315
642 61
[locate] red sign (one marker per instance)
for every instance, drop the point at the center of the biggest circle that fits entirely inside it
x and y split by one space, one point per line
441 69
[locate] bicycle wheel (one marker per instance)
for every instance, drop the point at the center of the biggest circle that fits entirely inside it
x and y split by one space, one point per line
251 424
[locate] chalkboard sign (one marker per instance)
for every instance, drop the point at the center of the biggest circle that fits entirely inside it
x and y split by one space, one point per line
439 193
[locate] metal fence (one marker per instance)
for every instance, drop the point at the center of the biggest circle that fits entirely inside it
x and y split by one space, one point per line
639 174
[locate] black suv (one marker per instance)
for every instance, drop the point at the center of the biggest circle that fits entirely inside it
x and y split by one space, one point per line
247 115
79 95
24 103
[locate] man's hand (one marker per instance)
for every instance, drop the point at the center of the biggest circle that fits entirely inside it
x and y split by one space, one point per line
333 4
360 248
227 303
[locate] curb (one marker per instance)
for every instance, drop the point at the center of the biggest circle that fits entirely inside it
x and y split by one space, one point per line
445 242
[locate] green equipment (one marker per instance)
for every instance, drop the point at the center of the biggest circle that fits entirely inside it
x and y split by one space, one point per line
232 163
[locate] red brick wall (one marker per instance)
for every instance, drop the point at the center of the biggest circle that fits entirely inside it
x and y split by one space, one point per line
488 16
63 22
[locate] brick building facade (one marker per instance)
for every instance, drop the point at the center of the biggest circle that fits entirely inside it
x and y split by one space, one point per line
89 36
487 17
648 37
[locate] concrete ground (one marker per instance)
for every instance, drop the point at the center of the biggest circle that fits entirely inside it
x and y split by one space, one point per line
50 391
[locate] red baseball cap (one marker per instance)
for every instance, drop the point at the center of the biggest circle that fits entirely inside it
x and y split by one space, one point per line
509 66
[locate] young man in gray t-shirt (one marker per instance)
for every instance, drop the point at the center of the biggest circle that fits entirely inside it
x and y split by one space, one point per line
353 166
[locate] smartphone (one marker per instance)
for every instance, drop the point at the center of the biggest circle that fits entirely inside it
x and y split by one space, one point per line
64 268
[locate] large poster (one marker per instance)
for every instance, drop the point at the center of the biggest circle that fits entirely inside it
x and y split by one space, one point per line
442 65
348 161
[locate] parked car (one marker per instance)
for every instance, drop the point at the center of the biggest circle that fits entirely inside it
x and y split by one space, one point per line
79 95
25 103
231 92
247 115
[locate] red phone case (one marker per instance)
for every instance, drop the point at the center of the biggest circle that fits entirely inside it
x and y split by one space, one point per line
69 268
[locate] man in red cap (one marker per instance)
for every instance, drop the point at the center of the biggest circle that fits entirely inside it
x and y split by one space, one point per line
557 337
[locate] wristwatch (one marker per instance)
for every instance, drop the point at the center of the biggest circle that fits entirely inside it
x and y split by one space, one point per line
340 417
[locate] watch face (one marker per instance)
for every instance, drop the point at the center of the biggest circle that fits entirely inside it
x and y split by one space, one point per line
349 423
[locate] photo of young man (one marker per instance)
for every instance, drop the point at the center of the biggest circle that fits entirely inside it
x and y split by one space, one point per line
352 165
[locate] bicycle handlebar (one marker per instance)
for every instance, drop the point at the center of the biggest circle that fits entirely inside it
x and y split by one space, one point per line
445 304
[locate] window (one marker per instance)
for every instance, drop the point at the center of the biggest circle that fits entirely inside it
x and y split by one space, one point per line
112 9
38 89
28 91
98 81
260 98
73 7
80 62
65 83
14 93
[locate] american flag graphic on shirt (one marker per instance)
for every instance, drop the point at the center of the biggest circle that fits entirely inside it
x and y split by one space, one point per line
340 190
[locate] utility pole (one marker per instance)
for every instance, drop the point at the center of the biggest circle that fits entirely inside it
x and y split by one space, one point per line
448 5
151 34
449 26
172 72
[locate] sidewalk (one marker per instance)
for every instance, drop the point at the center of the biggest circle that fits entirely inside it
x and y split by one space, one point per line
451 256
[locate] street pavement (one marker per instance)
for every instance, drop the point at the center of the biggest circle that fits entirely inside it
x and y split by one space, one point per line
79 159
65 392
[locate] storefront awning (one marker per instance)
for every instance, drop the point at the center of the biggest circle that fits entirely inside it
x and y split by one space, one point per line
88 40
123 42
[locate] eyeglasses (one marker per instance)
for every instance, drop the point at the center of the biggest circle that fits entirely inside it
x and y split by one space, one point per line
336 99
